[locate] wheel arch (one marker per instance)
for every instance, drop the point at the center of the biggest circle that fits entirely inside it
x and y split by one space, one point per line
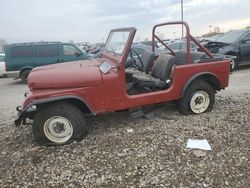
208 77
75 100
24 69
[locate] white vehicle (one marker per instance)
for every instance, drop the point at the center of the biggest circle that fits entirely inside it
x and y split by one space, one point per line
2 66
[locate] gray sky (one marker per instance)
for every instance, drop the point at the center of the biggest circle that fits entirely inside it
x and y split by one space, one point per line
91 20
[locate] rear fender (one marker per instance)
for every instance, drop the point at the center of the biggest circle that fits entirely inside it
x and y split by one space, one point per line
205 76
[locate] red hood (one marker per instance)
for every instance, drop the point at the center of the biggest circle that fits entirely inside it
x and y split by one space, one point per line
66 75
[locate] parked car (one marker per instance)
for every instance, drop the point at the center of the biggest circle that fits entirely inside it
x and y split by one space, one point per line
202 39
149 43
235 43
95 49
2 65
205 40
83 46
141 47
182 45
21 58
215 37
63 94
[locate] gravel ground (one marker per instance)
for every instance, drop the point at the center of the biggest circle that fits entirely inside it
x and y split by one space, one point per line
123 152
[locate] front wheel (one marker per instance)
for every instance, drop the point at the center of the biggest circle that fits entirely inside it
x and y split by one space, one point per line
199 98
58 123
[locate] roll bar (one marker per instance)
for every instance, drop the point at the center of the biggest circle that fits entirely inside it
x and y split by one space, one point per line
188 37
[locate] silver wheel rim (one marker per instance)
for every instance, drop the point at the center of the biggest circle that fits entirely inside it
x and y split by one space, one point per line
199 102
58 129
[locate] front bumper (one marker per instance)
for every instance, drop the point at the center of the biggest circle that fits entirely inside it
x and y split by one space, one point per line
20 119
23 114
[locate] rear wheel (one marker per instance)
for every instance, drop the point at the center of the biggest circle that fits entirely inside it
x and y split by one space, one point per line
58 123
24 76
199 98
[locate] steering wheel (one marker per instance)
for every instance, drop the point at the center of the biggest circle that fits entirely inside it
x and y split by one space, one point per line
140 66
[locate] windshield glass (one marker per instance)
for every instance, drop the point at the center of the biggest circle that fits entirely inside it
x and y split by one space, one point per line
117 41
230 37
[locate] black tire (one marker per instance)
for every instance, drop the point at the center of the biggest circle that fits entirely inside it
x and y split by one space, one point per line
65 110
197 88
24 76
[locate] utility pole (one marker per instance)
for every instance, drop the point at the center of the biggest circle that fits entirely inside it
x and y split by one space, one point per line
182 19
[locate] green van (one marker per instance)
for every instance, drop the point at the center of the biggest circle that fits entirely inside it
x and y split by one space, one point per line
21 58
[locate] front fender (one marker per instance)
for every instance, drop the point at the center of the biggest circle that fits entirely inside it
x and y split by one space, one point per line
31 107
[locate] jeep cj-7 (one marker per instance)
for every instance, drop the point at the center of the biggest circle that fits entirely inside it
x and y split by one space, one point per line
119 79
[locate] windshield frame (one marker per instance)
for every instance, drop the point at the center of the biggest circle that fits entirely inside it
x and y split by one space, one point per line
128 30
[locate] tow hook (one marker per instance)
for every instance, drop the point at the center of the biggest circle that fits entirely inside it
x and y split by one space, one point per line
18 108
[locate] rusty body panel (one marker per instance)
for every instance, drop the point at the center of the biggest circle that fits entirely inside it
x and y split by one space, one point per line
109 94
72 75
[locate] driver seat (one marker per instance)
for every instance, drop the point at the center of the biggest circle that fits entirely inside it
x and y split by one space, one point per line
160 75
147 60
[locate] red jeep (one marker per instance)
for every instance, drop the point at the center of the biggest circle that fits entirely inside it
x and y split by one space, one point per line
62 94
